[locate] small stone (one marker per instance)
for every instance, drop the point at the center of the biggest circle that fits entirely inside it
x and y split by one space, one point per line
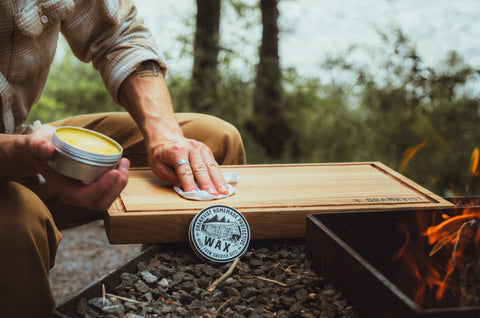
301 295
130 306
98 302
142 287
181 311
128 279
296 308
177 278
148 277
254 263
166 309
185 297
198 304
116 309
249 292
142 266
209 270
164 283
148 296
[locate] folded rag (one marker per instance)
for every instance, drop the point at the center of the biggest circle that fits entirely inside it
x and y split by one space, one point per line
202 195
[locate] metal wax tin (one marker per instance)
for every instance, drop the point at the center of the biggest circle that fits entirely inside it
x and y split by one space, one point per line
83 154
219 233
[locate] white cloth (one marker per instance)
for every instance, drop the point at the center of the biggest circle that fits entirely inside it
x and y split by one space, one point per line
202 195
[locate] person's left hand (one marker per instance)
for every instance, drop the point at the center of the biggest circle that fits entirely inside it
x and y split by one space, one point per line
97 195
183 162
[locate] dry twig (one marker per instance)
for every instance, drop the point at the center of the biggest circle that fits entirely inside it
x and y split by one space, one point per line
168 302
465 235
300 275
224 276
274 314
222 306
103 295
263 278
126 299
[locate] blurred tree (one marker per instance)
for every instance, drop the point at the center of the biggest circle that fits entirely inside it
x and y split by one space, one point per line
268 124
405 105
203 86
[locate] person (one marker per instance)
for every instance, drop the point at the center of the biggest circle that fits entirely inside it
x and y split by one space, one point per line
35 201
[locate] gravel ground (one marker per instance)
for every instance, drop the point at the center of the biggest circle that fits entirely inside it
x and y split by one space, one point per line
85 255
271 280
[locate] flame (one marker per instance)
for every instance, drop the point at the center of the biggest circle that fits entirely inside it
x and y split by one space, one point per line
474 162
473 168
408 155
449 239
451 236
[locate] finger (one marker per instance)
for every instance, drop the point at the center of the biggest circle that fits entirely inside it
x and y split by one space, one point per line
214 171
116 188
100 194
200 171
185 177
97 195
164 172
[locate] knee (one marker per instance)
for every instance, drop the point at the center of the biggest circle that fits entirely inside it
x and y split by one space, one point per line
28 240
232 149
222 137
25 220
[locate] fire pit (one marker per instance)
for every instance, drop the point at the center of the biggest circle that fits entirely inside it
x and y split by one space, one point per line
410 263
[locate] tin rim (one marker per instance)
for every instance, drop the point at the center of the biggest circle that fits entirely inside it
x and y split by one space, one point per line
83 155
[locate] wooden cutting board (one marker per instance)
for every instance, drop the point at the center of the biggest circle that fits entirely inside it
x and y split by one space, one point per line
275 199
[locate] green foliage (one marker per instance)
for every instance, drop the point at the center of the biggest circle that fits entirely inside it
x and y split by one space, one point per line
413 104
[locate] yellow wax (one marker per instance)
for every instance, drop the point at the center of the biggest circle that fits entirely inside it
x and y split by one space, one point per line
87 141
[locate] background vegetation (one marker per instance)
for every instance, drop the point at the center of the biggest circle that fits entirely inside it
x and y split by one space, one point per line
420 121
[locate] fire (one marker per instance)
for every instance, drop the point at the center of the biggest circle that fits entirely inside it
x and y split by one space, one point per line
436 258
451 237
474 162
408 155
473 168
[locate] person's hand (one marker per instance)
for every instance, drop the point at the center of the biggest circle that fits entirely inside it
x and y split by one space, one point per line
98 195
145 95
183 162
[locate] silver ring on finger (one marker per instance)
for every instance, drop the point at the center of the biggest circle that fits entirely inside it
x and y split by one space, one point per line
181 162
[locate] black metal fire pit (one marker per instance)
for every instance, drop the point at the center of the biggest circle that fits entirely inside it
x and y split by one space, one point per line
357 251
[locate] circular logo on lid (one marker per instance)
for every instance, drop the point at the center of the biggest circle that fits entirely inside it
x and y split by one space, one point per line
219 233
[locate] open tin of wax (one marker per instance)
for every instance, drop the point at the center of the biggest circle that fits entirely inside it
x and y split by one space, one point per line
83 154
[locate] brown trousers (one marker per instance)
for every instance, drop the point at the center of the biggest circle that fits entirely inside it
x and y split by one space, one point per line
29 220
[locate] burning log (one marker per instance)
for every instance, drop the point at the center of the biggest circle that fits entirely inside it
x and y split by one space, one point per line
466 234
442 256
466 263
461 282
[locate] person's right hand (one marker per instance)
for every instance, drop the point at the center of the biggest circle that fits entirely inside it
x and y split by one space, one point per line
98 195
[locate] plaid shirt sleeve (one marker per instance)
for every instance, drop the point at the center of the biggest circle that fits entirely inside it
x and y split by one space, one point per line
110 35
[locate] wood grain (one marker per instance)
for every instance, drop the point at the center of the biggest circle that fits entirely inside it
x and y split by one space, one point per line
275 199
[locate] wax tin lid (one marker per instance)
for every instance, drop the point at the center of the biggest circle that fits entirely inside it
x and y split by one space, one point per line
219 233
